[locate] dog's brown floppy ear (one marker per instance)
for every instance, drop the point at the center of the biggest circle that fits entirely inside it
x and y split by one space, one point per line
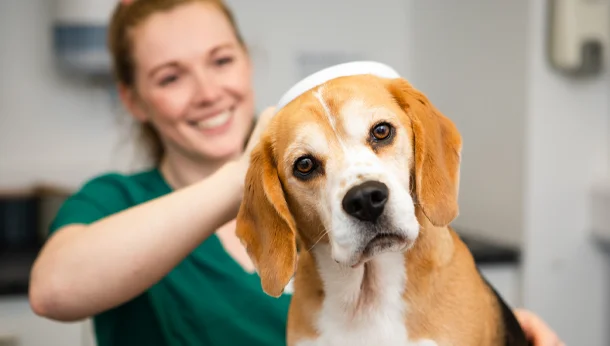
264 223
437 147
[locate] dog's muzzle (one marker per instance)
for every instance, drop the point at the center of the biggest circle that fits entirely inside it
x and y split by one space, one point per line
366 201
373 226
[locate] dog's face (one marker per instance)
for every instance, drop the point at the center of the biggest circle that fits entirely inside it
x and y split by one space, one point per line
347 163
344 154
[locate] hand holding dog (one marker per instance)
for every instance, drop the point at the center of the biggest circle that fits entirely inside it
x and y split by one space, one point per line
536 330
261 125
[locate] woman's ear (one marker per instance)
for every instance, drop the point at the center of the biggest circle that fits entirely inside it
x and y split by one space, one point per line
130 99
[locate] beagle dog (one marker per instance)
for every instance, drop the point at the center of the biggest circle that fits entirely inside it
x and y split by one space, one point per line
361 171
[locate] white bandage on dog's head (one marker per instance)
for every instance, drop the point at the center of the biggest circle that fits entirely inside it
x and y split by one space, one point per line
336 71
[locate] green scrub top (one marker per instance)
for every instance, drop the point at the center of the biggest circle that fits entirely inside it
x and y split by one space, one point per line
208 299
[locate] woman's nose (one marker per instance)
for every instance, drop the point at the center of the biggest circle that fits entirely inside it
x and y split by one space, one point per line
207 89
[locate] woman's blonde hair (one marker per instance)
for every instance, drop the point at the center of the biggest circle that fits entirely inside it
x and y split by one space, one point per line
128 16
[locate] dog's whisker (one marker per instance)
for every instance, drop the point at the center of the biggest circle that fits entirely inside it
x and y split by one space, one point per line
419 204
325 232
317 241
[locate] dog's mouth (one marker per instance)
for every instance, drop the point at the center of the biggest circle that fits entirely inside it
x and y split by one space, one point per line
381 243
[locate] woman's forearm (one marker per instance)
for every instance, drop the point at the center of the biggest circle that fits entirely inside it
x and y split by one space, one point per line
86 269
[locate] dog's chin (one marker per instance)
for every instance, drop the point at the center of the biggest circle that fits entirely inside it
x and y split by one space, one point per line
365 241
380 243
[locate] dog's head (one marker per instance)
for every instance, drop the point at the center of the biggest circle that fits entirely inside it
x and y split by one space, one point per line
348 163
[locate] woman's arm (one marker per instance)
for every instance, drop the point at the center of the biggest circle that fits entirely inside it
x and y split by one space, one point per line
86 269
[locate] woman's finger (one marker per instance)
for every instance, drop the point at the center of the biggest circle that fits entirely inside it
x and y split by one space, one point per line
261 125
536 330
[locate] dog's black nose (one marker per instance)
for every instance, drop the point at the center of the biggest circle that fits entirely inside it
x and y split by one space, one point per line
366 201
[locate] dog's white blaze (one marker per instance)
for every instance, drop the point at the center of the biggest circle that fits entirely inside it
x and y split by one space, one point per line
357 109
331 119
329 115
381 323
358 164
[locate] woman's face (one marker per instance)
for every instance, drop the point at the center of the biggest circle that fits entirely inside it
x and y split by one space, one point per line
193 82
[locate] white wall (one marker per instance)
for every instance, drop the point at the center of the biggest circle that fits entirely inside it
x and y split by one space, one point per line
534 144
469 57
279 31
566 276
51 128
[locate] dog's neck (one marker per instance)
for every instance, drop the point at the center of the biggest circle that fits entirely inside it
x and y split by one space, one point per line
352 291
368 305
361 306
390 300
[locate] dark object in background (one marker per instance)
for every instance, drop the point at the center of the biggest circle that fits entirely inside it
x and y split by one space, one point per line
24 221
19 230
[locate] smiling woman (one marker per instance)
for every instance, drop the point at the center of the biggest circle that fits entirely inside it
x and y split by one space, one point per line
192 91
153 256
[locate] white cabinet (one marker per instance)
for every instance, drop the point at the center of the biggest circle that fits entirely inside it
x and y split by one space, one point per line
19 326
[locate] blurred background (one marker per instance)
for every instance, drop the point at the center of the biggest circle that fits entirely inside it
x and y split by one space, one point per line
536 157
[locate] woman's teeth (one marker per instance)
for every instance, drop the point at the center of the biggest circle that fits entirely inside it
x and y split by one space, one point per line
215 121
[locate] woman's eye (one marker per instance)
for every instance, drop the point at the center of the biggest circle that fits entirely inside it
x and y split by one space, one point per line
224 61
168 80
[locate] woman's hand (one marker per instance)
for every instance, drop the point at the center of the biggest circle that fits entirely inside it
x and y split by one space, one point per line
261 125
536 330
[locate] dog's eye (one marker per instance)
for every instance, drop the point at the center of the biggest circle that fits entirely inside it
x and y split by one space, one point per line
304 166
381 131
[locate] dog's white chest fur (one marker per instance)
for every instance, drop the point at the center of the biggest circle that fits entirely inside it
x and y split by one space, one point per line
348 319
